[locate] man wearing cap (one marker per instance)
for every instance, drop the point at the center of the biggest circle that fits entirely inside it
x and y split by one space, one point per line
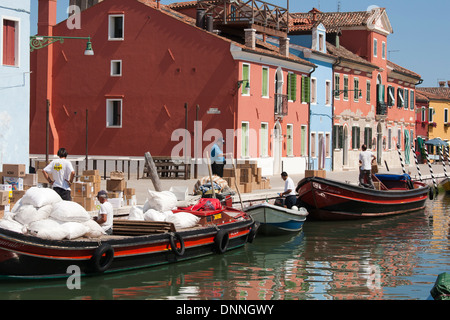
289 191
217 158
105 213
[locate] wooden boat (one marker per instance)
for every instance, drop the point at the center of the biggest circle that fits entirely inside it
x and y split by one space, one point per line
134 244
445 184
275 219
333 200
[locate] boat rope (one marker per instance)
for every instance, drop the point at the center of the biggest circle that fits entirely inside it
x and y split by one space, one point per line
441 154
417 162
401 159
431 171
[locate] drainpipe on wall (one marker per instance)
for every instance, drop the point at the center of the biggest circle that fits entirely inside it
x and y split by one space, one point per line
309 119
338 61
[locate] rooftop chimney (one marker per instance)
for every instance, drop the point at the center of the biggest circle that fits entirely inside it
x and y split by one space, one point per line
448 83
250 38
441 84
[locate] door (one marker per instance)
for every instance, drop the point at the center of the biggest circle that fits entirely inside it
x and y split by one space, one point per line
277 148
345 147
379 143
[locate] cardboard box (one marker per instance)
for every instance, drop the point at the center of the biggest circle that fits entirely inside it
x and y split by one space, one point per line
4 197
115 185
40 164
116 202
315 173
17 195
16 183
248 187
114 194
86 203
116 175
41 177
6 187
83 189
94 179
30 179
91 173
14 170
130 200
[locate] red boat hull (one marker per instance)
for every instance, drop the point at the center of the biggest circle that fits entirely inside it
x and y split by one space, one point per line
332 200
26 256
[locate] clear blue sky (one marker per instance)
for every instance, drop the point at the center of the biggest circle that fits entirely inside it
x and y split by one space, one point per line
420 42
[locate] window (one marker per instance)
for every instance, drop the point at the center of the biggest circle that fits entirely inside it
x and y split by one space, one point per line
265 82
114 113
368 137
391 96
400 99
246 78
375 47
312 144
345 87
327 144
445 115
303 140
321 42
355 89
306 92
313 90
383 50
406 98
116 26
328 92
290 140
338 137
368 91
356 133
337 85
292 86
430 114
116 68
412 101
10 42
389 139
244 139
264 138
424 115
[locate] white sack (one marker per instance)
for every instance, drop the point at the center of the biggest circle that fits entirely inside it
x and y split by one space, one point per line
183 219
95 230
47 229
39 197
161 201
69 211
26 214
136 214
11 225
154 215
74 229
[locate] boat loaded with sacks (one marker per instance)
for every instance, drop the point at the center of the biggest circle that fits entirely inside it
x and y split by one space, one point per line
327 199
47 243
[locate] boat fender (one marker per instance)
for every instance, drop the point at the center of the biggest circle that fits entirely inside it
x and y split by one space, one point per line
173 245
102 258
253 231
221 241
430 194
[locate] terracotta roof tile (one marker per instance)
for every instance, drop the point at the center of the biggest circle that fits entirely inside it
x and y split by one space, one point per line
438 93
399 69
342 52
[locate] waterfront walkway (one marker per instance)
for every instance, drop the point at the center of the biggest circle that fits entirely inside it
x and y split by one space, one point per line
277 184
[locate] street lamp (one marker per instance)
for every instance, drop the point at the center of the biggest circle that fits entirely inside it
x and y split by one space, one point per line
39 42
339 92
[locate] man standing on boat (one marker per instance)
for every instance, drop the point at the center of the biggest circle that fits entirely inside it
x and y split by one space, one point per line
105 213
217 158
365 171
62 173
289 191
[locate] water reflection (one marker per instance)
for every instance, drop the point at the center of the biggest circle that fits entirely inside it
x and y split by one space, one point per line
391 258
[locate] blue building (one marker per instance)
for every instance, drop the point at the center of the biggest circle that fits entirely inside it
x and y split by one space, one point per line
14 81
312 46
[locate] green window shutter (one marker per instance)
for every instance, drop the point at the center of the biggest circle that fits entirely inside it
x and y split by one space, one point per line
292 87
306 89
265 77
245 77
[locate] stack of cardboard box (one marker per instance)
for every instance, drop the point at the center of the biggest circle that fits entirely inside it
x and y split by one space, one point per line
115 186
248 177
14 181
84 192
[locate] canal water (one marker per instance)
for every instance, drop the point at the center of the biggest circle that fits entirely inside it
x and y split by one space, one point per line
395 258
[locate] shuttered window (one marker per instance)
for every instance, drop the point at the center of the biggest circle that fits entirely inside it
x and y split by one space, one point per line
246 79
306 89
292 87
265 82
9 42
356 133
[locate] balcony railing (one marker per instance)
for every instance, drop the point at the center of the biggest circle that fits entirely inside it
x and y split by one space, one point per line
381 108
281 104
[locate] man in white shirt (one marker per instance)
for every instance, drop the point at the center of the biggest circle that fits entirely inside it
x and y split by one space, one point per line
365 171
105 213
289 191
62 172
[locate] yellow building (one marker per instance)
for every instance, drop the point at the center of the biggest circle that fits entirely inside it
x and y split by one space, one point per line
438 112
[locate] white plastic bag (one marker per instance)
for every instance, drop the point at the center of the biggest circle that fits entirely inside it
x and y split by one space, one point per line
26 214
161 201
95 230
69 211
47 229
39 197
136 214
74 229
183 220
